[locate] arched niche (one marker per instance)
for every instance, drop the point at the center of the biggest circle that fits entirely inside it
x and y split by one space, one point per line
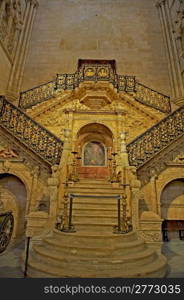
172 200
14 198
94 142
95 132
172 209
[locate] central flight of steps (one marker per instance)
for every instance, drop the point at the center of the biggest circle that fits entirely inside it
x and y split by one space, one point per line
92 211
94 251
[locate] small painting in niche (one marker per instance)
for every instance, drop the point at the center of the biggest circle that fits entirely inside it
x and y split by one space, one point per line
94 154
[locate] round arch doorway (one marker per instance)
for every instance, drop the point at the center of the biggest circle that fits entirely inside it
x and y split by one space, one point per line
94 144
14 198
172 210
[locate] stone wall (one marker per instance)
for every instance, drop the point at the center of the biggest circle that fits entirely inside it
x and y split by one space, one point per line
127 31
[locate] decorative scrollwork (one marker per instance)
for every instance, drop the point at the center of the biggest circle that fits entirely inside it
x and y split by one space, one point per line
37 95
95 73
152 98
38 139
156 138
6 229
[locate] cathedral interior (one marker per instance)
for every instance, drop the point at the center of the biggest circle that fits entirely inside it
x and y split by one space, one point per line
91 136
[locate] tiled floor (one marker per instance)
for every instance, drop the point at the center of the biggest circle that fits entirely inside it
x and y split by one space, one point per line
10 261
173 250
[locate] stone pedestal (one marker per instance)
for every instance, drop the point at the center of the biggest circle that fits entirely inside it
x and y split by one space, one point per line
150 229
36 223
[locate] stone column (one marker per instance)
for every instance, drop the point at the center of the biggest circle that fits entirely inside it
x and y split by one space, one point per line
2 8
63 167
9 27
135 191
153 195
123 150
53 183
177 84
33 193
16 75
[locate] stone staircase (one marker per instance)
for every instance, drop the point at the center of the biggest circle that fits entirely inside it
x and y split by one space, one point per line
92 211
93 250
85 254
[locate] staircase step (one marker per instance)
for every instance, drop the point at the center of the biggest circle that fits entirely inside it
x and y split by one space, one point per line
93 219
70 262
93 250
95 191
156 269
95 211
93 181
96 200
92 238
90 205
94 185
108 228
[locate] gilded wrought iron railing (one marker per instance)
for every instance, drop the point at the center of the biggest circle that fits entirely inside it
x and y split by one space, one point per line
155 139
37 95
6 229
95 73
37 138
123 222
152 98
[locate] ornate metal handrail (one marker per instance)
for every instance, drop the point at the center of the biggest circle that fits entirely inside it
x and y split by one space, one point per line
37 138
152 98
95 73
6 229
37 94
155 139
123 224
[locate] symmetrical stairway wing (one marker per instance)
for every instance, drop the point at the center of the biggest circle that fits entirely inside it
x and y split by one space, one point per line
29 133
156 139
94 71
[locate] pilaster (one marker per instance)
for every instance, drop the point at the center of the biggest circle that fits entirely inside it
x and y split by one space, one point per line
16 75
175 72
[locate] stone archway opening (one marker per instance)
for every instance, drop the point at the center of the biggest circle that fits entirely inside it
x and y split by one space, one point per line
13 196
94 144
172 210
